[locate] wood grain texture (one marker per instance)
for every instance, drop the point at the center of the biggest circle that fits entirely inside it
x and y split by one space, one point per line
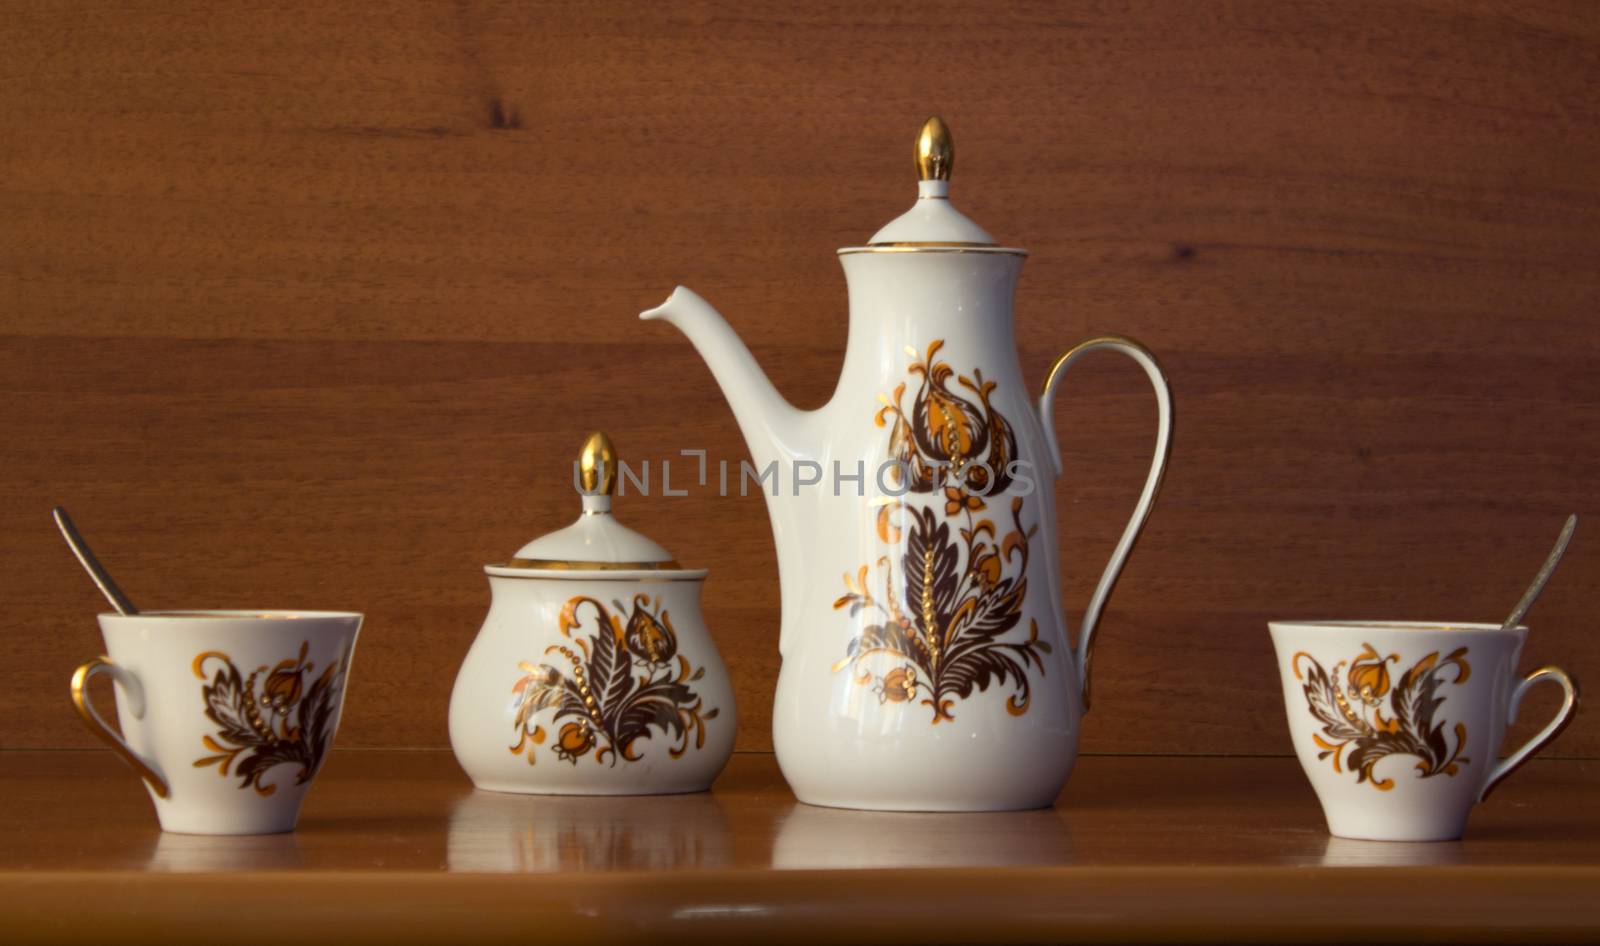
310 305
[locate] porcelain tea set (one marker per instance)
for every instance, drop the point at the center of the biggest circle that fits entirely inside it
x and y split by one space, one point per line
927 663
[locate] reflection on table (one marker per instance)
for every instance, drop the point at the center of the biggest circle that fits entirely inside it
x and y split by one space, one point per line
1348 852
500 833
200 853
823 838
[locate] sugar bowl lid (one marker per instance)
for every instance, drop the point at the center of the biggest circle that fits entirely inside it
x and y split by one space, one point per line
596 545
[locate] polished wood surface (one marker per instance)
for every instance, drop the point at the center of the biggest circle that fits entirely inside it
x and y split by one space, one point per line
397 847
310 304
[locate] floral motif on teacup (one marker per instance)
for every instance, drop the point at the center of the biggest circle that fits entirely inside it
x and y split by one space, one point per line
1351 703
281 722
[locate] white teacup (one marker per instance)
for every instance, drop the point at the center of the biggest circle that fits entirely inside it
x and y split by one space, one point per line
1398 724
227 715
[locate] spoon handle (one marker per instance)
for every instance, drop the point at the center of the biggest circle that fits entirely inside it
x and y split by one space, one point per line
102 578
1545 571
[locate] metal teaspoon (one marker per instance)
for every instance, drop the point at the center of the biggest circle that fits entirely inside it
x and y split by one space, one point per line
102 578
1545 571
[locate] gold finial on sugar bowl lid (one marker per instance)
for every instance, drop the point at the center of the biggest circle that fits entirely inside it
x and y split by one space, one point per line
597 465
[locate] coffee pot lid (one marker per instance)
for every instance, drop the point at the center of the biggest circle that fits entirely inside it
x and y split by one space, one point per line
932 221
596 541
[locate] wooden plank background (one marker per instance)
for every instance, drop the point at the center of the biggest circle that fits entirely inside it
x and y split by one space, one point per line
310 304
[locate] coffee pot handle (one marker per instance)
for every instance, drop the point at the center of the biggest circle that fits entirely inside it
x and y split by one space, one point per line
1152 483
134 693
1552 729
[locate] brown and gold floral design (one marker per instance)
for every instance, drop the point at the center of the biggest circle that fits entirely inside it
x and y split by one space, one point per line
1349 703
618 684
957 592
947 435
282 723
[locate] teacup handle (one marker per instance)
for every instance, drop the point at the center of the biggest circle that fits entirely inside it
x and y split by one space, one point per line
1152 483
1552 729
91 718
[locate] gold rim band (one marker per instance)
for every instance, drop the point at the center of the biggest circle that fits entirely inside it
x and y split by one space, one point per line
935 243
568 565
933 248
80 699
648 578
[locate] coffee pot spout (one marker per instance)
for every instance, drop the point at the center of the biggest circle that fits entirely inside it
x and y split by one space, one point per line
769 423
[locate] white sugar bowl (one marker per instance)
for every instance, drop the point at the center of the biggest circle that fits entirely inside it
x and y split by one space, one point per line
594 673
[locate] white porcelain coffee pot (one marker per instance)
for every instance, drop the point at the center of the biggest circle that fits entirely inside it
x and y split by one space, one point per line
926 658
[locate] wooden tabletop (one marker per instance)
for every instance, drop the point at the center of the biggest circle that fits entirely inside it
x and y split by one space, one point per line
396 847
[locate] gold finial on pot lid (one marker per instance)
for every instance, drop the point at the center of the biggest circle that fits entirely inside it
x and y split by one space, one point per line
597 541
